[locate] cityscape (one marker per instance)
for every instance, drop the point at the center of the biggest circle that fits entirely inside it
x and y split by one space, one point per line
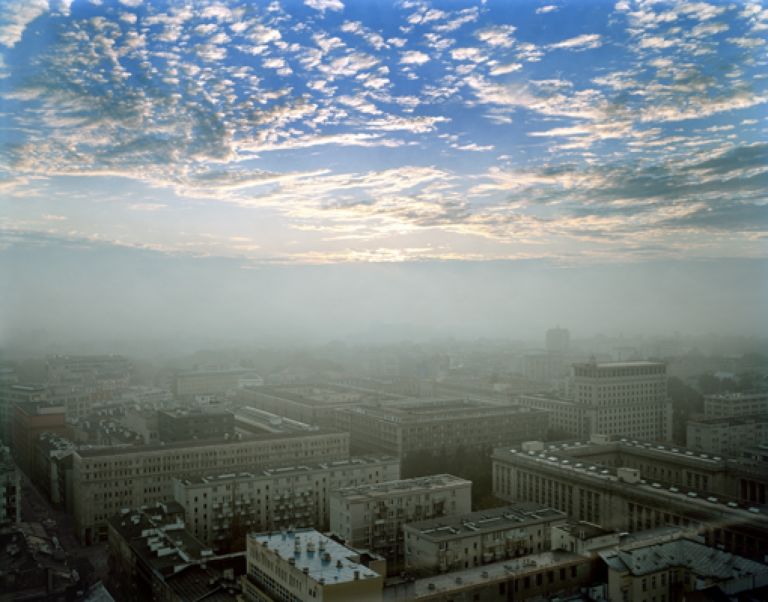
383 301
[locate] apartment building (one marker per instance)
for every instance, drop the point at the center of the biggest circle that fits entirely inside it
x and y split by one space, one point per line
186 424
30 420
10 489
728 435
189 384
304 564
616 398
462 541
599 484
273 498
438 426
723 405
106 480
372 516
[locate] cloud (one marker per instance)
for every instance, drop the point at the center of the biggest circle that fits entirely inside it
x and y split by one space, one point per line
546 9
15 16
582 42
504 69
499 35
414 57
323 5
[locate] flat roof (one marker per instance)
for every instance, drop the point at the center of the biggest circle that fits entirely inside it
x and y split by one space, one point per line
324 559
420 410
400 486
359 461
142 449
485 521
321 394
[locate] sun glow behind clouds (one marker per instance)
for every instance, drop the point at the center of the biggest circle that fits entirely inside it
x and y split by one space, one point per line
325 131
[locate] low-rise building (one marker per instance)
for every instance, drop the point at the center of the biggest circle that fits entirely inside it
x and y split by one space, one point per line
188 424
728 435
438 426
30 420
154 557
674 570
372 516
462 541
191 384
220 506
106 480
304 564
735 404
614 485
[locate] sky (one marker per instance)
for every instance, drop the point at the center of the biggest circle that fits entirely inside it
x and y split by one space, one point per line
290 133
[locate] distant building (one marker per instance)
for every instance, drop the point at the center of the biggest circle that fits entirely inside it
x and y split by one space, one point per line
106 372
154 557
616 398
372 516
304 564
106 480
312 403
462 541
558 340
727 436
680 570
11 394
217 506
209 382
725 405
253 420
30 420
630 487
438 426
10 489
187 424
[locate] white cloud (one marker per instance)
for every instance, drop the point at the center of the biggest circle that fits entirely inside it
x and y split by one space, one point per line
15 16
131 3
546 9
468 54
582 42
499 35
414 57
323 5
506 68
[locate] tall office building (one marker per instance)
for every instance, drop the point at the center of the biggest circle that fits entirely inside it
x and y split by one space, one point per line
628 399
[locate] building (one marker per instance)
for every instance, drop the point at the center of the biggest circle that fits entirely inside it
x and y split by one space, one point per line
253 420
219 506
152 556
458 542
438 426
676 570
30 420
106 372
550 575
616 398
558 340
187 424
372 516
11 394
34 566
106 480
304 564
204 383
630 487
313 403
725 405
10 489
727 436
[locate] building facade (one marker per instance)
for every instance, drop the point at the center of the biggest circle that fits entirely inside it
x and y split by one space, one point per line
187 424
106 480
372 516
462 541
610 485
725 405
727 436
10 489
274 498
438 426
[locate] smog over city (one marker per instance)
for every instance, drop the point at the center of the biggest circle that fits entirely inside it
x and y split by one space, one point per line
383 300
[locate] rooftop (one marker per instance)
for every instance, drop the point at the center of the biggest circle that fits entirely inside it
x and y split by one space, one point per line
323 559
289 470
179 445
702 560
402 486
421 410
323 394
485 521
489 573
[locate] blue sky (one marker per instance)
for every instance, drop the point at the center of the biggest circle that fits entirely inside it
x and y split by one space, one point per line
332 131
